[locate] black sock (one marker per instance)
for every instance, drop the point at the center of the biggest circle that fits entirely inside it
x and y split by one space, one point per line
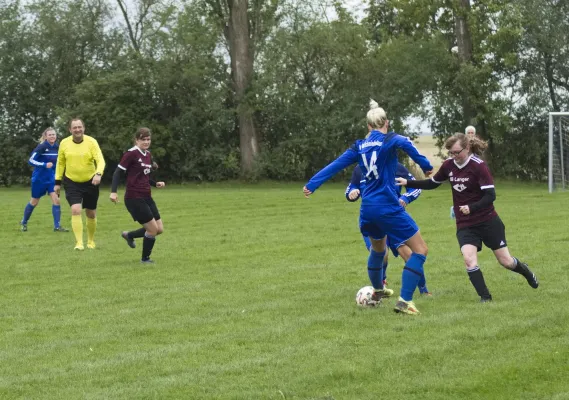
147 245
477 280
136 234
519 267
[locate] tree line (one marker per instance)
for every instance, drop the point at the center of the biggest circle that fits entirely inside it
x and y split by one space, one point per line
274 89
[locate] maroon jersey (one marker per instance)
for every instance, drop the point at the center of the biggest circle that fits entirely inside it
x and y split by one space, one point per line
467 182
137 164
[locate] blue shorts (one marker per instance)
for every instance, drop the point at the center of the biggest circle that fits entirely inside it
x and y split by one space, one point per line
398 226
387 243
39 189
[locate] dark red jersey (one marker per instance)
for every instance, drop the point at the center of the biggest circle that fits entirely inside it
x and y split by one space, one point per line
467 183
138 165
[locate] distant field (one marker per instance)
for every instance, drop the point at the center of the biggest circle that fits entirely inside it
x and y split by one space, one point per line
252 297
427 145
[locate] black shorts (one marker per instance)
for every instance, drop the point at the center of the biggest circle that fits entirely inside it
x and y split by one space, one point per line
142 210
84 193
492 233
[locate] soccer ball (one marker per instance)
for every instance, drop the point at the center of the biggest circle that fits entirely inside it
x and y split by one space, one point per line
363 297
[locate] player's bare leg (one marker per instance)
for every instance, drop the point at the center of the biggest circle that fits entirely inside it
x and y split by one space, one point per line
513 264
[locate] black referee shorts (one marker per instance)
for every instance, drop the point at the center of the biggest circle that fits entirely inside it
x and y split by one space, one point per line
142 210
84 193
492 233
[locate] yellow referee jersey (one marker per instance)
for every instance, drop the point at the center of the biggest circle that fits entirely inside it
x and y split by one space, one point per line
79 161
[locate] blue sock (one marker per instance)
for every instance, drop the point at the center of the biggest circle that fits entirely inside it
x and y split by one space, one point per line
27 213
368 243
385 270
56 211
375 268
423 284
412 273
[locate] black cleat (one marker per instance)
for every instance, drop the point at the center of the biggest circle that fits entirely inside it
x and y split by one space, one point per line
530 276
24 227
147 261
60 229
129 241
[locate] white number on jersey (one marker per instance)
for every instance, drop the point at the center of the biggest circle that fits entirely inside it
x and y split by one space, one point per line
371 167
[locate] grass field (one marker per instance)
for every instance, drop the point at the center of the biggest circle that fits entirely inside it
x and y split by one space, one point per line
252 297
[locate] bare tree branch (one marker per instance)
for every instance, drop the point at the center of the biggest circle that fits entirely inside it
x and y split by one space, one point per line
131 34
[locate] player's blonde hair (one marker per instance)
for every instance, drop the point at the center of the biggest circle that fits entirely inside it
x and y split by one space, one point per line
474 143
43 136
376 116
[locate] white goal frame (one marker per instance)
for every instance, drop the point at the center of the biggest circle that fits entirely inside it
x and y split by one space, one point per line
563 183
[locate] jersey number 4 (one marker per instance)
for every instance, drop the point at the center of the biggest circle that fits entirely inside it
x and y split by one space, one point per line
371 167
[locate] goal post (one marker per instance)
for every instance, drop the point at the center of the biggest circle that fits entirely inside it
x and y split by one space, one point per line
558 168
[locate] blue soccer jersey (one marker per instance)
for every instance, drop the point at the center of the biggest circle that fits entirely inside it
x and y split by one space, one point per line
409 196
377 158
43 154
357 182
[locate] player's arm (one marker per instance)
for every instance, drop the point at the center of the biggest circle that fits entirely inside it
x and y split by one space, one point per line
60 167
349 157
34 161
355 185
488 197
427 184
408 147
152 182
410 195
117 176
120 171
486 182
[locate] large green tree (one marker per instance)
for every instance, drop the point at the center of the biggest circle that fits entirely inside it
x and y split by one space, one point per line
244 26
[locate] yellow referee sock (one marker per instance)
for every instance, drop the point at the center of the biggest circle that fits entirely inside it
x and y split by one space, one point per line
77 226
91 228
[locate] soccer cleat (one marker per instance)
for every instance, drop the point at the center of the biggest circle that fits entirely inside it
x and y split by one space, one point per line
79 246
380 294
530 276
486 299
405 307
129 241
147 261
427 294
24 227
91 245
60 229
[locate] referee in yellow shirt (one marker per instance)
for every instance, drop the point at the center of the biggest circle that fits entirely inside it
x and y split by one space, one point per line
80 165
